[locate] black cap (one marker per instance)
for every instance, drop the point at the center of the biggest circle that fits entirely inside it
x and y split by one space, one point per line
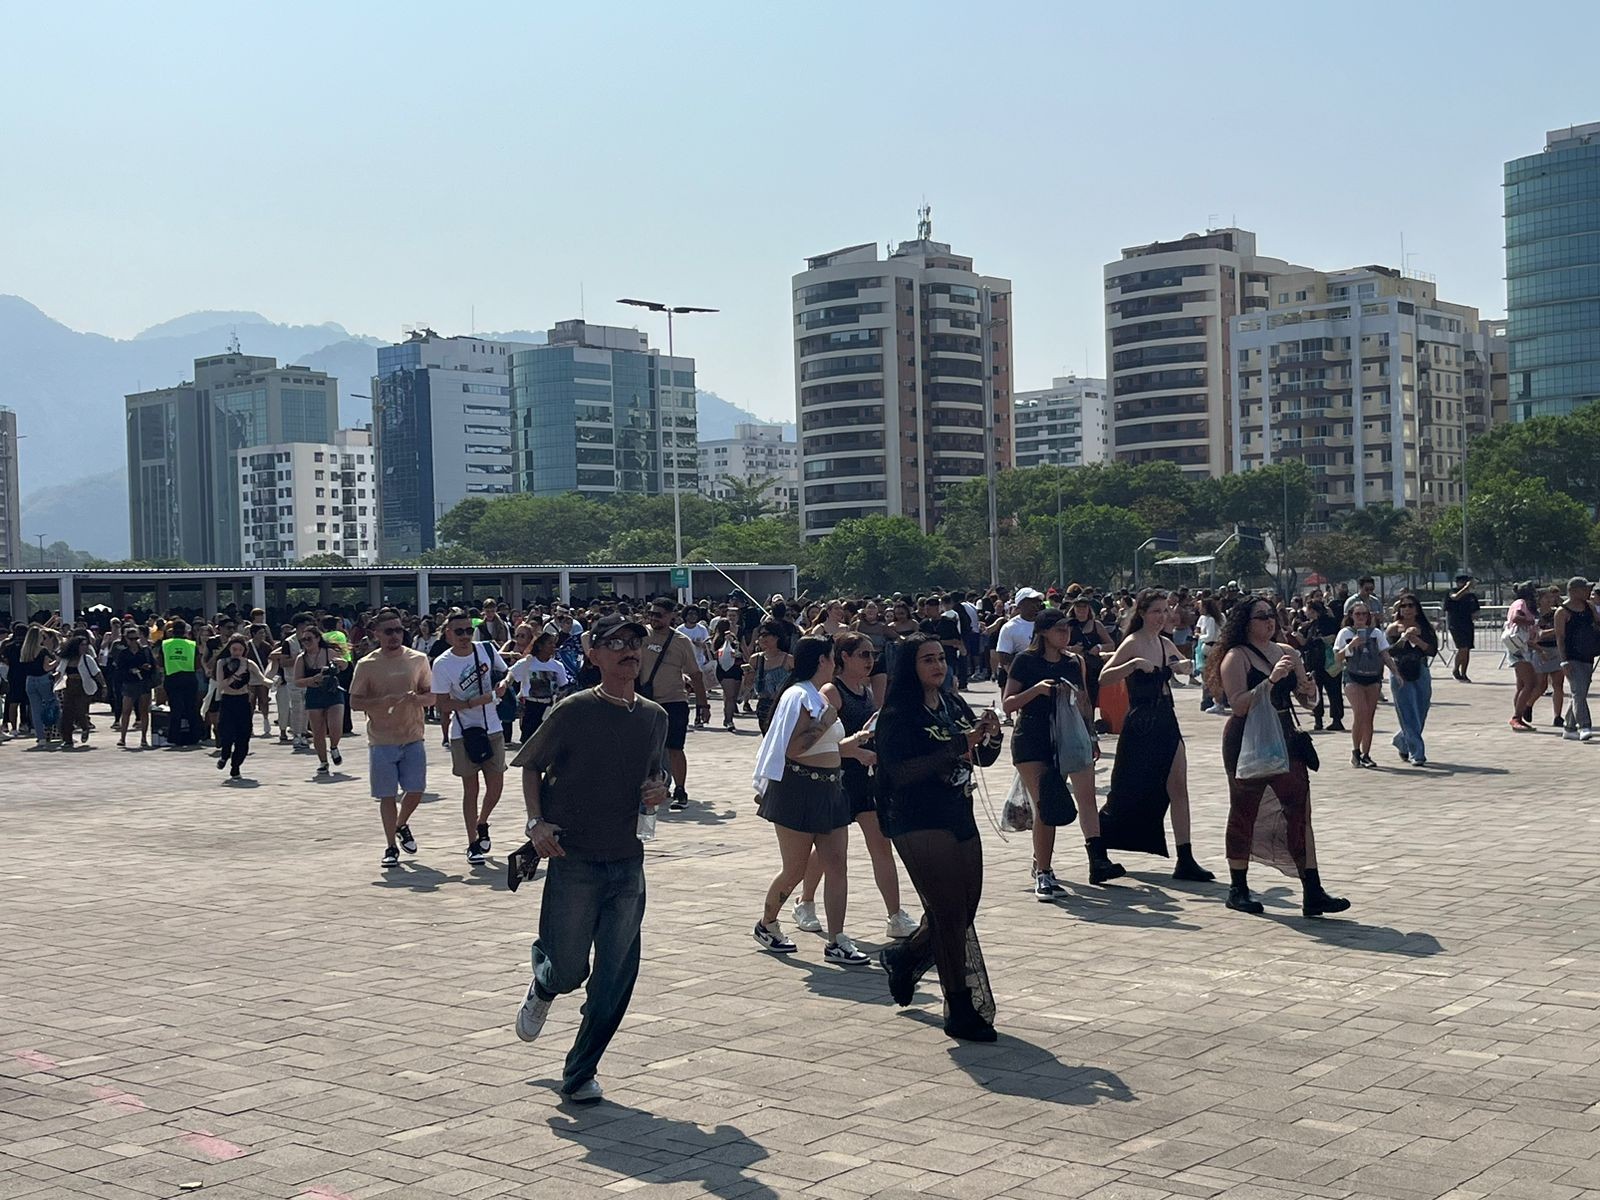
610 624
1048 618
1463 577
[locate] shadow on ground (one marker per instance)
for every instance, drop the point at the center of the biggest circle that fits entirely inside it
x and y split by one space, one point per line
641 1146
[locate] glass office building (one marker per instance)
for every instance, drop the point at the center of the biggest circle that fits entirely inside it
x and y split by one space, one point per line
1552 209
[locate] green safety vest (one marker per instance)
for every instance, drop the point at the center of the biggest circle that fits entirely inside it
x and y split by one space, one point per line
177 655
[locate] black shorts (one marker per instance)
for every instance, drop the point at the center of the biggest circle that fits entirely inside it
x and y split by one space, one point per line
1030 743
1362 680
677 723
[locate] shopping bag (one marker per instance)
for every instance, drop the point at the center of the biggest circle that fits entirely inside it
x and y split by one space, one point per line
1074 746
1264 751
1017 815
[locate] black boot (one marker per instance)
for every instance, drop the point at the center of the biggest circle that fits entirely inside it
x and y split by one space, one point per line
1187 868
1239 897
1314 902
965 1023
1101 868
902 984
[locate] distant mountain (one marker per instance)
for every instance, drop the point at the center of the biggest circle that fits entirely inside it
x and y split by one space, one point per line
716 417
88 514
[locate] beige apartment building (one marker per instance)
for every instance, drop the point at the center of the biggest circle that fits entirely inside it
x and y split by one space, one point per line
1367 377
892 356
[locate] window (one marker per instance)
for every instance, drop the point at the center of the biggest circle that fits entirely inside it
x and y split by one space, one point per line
317 456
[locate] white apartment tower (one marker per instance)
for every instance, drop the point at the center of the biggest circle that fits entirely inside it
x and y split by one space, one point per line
299 499
1367 377
1168 305
902 380
1066 424
753 452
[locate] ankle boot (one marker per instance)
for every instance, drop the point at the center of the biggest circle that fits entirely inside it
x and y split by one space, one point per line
965 1023
1314 901
1239 897
1101 868
1186 867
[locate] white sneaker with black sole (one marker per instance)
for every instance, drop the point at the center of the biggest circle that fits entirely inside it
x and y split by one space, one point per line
531 1016
770 938
844 952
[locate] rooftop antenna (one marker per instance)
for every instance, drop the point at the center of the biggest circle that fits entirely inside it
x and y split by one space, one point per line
582 316
233 341
472 318
1211 222
925 222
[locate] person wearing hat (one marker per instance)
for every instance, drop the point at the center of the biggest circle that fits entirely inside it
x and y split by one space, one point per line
1460 608
1016 634
1578 636
596 762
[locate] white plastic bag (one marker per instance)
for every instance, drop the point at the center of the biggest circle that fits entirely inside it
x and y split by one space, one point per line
1263 752
1017 816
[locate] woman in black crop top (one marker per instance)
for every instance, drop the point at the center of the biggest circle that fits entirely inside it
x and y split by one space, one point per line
1247 655
1150 773
927 741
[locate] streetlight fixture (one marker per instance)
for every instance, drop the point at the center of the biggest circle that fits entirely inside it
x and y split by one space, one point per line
1144 545
671 310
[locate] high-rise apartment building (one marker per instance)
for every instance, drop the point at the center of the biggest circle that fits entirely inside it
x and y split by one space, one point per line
753 452
596 410
1066 424
441 420
10 498
299 499
1367 377
891 360
1552 208
1168 305
183 495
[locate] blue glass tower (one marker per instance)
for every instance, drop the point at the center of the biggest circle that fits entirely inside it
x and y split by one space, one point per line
1552 209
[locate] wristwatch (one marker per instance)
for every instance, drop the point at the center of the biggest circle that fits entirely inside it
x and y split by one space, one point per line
533 823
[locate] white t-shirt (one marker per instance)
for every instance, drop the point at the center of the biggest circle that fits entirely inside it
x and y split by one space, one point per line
972 614
539 681
465 677
1206 628
1348 635
1015 635
700 636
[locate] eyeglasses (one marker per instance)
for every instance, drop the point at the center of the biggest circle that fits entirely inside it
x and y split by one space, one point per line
864 654
391 629
632 642
463 632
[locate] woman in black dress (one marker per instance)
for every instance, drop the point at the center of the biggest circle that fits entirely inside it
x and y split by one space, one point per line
135 668
1150 773
927 741
1248 655
1030 690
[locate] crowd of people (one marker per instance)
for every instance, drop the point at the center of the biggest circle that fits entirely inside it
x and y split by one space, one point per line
864 718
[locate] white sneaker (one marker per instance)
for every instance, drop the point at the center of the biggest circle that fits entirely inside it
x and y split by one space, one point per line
1586 735
531 1016
844 952
805 917
901 925
587 1092
1571 735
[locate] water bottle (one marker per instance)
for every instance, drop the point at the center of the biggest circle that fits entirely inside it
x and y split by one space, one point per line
647 823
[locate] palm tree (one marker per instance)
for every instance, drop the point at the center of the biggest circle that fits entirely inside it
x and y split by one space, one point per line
747 498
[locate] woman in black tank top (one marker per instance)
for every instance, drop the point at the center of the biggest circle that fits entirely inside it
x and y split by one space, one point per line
1248 655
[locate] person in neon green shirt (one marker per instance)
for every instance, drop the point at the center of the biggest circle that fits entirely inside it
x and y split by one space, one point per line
177 655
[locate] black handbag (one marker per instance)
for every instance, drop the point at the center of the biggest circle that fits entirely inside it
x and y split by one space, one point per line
647 688
1056 805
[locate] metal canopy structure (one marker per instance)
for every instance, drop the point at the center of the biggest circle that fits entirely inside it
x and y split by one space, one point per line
416 588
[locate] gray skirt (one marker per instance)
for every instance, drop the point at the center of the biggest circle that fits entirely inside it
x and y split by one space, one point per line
807 799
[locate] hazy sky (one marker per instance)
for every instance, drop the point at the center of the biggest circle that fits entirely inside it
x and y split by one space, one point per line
380 164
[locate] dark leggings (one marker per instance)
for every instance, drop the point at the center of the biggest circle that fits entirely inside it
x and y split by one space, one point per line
948 876
1333 687
233 728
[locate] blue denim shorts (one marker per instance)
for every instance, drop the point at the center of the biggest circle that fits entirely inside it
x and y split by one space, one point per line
397 769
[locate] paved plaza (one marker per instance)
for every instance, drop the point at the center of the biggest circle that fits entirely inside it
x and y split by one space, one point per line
215 990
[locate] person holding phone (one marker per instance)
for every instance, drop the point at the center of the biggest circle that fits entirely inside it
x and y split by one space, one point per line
235 674
316 673
1363 648
596 760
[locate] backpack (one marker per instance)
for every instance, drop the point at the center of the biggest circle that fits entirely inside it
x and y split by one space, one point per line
1365 658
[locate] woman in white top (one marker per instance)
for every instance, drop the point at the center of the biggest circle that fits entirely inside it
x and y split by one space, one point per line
1363 648
1522 628
798 777
540 678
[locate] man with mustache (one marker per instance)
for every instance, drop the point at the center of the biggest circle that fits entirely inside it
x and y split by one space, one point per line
594 765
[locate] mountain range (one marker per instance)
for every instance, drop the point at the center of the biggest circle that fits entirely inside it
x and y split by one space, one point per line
67 389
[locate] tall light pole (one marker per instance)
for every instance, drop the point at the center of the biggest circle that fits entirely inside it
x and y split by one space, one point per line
1464 556
40 536
987 323
661 445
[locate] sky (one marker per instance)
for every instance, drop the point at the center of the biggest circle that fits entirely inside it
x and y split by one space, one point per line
388 164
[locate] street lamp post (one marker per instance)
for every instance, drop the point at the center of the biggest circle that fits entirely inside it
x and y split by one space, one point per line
661 445
1144 545
988 323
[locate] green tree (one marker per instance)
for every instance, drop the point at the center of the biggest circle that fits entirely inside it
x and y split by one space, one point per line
456 525
649 545
878 555
1563 451
324 560
774 539
1522 526
1337 557
1379 526
747 498
1098 542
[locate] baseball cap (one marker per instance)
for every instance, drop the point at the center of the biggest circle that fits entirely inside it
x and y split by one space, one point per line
1578 581
1463 577
613 623
1028 593
1048 618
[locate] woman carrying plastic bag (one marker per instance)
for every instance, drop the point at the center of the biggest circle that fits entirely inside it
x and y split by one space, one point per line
1261 678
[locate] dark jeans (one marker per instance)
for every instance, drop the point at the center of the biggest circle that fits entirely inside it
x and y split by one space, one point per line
1333 687
183 709
598 905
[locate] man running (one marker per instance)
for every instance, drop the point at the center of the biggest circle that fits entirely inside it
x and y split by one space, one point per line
593 765
394 686
667 661
465 693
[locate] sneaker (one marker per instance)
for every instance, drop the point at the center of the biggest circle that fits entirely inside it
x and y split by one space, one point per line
1586 735
771 938
901 925
403 836
474 853
680 801
322 769
233 774
338 759
844 952
1045 887
483 837
1355 758
1569 735
1366 760
391 857
222 761
805 916
587 1092
531 1016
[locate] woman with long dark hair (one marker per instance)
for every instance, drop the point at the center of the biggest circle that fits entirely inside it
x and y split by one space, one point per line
770 670
1521 629
135 669
927 742
236 675
1150 773
1412 642
1547 658
1248 656
316 671
1030 692
798 782
82 680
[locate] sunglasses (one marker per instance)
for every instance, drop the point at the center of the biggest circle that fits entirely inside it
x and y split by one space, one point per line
391 629
865 654
467 632
1263 617
632 642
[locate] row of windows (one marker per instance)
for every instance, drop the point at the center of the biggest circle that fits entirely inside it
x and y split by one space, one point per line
1150 306
1149 356
849 364
1554 318
1576 283
849 314
1156 381
1554 187
1151 331
1159 277
1556 348
1572 379
1577 250
1560 220
838 289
